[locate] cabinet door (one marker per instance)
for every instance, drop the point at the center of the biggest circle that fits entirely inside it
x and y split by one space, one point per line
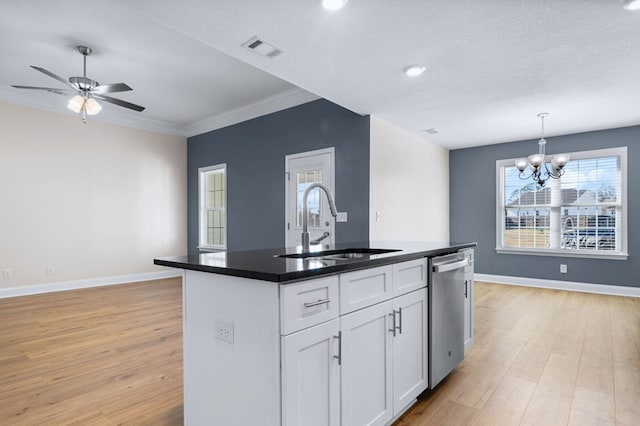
311 376
366 366
410 367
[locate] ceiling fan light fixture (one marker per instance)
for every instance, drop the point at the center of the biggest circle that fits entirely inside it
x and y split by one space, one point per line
333 4
76 103
631 4
92 106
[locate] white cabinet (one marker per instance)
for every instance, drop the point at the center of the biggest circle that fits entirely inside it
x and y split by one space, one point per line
384 365
308 303
366 366
311 376
410 366
377 348
468 299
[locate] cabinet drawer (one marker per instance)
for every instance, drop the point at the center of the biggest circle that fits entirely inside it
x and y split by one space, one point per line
308 303
409 276
360 289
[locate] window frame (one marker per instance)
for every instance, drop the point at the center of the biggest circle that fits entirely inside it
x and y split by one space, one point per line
622 254
203 173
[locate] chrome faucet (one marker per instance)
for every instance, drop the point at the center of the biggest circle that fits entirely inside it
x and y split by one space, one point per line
305 212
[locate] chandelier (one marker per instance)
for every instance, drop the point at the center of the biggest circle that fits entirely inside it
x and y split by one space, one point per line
539 163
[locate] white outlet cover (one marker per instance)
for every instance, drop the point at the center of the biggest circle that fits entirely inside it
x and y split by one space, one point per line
223 330
342 217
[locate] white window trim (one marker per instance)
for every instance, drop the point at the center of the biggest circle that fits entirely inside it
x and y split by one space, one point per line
611 255
202 217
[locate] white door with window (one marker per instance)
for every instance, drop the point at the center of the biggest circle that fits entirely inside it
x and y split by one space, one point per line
303 170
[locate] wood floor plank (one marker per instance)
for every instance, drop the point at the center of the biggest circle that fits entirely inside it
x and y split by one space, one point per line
507 404
592 407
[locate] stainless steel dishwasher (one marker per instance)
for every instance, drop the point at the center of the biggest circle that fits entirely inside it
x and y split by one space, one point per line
446 315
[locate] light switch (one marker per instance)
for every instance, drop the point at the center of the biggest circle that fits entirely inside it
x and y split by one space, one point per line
342 217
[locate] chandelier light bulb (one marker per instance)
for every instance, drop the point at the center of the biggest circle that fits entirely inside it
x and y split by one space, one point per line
559 161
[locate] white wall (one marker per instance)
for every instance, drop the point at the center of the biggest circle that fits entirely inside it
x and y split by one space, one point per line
94 200
409 185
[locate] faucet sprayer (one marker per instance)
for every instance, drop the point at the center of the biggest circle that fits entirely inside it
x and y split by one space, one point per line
305 211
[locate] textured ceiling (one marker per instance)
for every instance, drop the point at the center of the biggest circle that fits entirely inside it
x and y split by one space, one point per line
492 65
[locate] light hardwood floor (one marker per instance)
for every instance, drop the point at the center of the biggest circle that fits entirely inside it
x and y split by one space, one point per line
542 357
101 356
113 355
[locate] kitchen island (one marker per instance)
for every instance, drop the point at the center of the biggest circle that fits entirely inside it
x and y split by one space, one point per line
335 336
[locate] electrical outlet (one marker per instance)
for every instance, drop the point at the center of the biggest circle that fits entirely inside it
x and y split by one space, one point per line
378 216
224 330
342 217
7 274
563 268
50 270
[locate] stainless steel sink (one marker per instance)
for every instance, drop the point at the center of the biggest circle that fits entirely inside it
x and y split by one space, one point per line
343 254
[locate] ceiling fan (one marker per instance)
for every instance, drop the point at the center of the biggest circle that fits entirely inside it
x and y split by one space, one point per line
86 90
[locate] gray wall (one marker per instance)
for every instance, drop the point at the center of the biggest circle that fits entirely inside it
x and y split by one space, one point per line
473 209
255 153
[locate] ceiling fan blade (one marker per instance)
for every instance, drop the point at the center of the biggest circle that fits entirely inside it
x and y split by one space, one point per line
48 89
52 75
110 88
119 102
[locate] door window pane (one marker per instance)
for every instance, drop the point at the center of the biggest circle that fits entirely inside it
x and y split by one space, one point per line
303 180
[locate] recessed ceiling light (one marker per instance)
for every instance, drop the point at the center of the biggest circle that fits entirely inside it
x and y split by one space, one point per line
432 131
333 4
631 4
414 70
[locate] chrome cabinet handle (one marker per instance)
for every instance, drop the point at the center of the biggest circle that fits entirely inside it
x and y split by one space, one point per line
316 303
466 283
400 322
393 327
339 356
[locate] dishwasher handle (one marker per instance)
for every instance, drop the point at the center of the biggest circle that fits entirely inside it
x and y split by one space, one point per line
446 267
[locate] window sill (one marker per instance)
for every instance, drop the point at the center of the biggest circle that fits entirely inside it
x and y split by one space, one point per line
616 255
211 248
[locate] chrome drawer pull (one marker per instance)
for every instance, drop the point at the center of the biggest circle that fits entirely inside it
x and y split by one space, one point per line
316 303
393 326
339 356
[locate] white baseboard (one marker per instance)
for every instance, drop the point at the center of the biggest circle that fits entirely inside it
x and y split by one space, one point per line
614 290
89 282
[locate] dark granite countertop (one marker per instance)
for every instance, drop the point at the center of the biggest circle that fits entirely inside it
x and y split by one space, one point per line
266 264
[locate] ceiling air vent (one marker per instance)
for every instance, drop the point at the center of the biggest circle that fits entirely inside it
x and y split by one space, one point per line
262 47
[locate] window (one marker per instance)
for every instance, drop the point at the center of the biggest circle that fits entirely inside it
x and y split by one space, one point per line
581 214
212 187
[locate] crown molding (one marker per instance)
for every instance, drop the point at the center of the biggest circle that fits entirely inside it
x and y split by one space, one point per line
283 100
278 102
